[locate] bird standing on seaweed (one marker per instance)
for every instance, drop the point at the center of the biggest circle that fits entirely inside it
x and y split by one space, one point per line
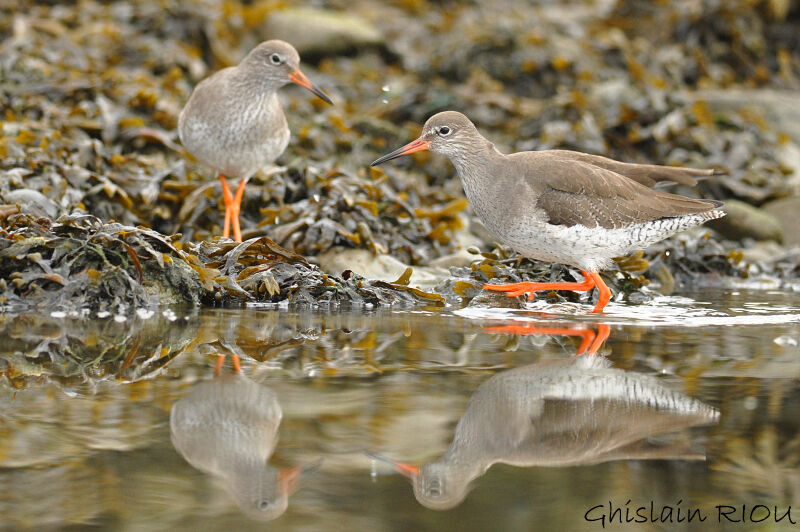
234 122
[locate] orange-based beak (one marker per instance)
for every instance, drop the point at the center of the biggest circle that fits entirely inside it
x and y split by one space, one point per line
404 469
289 480
411 147
301 79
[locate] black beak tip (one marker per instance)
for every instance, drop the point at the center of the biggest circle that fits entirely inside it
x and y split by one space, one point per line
388 157
322 96
381 160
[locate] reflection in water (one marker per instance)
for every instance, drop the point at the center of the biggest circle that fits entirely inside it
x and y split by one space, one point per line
228 427
81 445
591 342
557 413
71 350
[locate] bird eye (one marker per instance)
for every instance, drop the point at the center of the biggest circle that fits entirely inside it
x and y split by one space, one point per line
444 131
276 59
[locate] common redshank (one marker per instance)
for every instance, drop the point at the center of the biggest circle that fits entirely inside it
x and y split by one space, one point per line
234 122
228 428
557 413
563 206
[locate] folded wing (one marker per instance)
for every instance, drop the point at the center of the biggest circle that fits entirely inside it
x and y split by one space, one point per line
576 191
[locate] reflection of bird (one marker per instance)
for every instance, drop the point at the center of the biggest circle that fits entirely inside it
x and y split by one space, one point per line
234 122
556 413
228 427
562 206
591 342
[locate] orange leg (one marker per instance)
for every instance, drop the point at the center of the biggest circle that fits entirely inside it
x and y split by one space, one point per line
237 207
590 342
603 290
591 280
228 197
237 365
218 367
603 331
587 335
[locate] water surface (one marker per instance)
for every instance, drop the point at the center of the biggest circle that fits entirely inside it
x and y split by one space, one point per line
476 419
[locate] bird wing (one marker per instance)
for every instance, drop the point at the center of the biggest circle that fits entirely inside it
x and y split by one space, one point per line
645 174
577 192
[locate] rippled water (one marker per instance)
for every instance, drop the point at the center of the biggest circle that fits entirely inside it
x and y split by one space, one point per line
477 419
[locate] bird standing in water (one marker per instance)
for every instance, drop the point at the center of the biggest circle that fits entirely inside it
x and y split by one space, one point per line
563 206
234 122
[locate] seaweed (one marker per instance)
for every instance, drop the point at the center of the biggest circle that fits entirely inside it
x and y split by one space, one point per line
80 264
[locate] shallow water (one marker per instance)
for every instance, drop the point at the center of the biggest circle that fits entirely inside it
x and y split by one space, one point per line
690 403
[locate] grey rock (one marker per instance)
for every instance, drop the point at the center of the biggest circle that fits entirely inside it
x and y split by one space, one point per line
315 32
766 252
787 212
746 221
377 267
780 108
32 202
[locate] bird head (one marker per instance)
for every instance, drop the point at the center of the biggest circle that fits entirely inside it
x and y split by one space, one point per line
279 63
437 485
448 133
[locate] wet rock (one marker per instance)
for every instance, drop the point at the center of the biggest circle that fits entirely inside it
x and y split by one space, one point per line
363 262
380 267
460 259
319 32
31 202
78 263
787 212
745 221
788 157
764 252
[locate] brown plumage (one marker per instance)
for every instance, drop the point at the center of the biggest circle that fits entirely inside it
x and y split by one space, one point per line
589 190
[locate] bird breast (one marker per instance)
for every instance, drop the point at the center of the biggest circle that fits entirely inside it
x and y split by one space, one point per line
236 134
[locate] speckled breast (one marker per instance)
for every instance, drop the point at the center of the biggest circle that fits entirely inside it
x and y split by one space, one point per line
239 142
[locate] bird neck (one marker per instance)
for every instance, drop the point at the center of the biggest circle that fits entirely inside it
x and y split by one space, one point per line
255 86
464 462
474 164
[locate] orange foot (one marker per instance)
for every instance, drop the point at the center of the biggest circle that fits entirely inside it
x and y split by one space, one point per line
233 205
590 342
591 280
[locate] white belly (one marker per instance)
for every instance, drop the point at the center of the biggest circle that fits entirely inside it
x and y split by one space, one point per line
588 248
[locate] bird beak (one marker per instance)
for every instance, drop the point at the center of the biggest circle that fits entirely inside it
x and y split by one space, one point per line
289 480
301 79
411 147
404 469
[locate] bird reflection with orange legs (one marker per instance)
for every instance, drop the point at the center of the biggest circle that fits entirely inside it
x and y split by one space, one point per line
557 413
